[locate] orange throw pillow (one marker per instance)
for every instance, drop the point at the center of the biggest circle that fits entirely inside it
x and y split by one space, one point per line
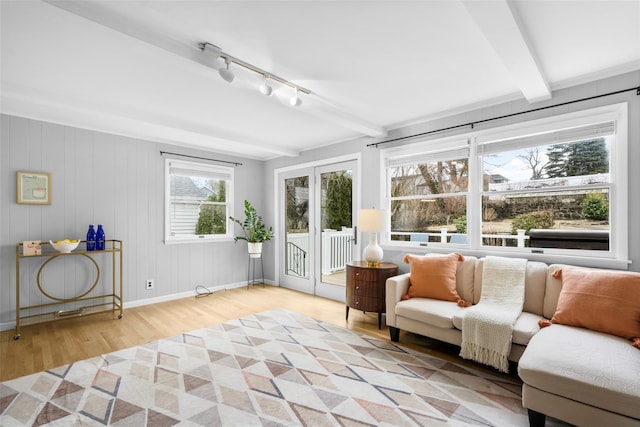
603 301
433 276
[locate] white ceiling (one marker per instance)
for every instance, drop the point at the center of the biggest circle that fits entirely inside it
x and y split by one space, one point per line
134 67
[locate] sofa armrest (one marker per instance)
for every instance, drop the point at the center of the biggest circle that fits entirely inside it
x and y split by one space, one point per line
395 288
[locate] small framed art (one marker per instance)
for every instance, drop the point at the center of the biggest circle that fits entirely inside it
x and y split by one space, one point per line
34 188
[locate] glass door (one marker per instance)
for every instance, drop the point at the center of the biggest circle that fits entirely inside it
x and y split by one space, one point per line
336 240
296 252
318 213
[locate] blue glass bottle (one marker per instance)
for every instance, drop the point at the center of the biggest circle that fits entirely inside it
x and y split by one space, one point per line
91 239
100 238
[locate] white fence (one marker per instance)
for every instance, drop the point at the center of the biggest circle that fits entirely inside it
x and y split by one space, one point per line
336 249
446 237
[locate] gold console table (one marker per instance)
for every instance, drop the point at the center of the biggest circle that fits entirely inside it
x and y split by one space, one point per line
95 303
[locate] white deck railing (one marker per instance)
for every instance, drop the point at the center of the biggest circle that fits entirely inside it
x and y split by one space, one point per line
336 249
446 237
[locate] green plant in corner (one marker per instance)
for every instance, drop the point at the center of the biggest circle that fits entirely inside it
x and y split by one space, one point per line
253 229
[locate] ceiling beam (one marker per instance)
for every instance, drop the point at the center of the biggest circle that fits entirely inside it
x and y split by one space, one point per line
97 115
500 25
182 47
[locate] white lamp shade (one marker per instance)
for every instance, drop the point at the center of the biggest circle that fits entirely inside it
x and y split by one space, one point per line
371 220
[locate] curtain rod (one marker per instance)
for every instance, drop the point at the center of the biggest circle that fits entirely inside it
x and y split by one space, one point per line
201 158
472 124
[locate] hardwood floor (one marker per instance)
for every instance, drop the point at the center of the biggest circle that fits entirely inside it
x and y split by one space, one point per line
49 345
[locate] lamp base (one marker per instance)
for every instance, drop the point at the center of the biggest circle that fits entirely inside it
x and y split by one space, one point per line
373 253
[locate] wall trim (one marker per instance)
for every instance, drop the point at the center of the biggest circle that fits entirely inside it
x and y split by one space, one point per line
7 326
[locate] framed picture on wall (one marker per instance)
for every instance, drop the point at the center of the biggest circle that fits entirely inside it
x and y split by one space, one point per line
34 188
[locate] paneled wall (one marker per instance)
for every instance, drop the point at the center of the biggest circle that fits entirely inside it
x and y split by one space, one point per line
118 182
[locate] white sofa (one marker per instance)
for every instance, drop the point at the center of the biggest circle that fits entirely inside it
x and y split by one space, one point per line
573 374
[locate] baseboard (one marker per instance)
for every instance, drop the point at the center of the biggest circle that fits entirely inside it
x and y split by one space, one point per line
7 326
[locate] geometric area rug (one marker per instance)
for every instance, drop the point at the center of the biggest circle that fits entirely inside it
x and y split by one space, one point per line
276 368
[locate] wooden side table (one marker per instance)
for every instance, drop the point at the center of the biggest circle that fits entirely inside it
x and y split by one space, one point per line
366 287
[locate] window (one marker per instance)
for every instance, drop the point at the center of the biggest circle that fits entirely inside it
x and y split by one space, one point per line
554 183
198 201
552 186
428 193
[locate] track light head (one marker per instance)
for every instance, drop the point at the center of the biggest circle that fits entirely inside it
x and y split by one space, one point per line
265 89
212 50
295 101
225 73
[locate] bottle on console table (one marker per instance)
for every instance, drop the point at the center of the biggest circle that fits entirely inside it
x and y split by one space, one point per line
91 239
100 239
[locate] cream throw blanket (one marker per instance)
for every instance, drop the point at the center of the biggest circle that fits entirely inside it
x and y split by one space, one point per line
487 327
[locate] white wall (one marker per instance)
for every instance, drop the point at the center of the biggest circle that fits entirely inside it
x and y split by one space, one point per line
118 182
371 156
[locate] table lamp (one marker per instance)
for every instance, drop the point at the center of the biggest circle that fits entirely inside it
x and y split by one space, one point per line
372 221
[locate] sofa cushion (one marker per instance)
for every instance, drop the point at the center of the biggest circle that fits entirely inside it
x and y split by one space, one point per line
431 311
433 276
552 291
534 285
525 327
600 300
598 369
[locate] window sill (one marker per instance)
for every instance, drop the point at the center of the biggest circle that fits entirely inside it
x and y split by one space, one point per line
198 241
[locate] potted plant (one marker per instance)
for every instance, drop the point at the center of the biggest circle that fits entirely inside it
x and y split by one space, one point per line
253 230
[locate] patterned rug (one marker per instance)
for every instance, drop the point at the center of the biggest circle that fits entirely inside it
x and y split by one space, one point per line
268 369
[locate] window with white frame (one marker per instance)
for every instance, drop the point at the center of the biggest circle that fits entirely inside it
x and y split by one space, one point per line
549 186
198 201
428 193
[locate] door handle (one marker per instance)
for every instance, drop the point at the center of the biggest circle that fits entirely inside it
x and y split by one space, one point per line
355 235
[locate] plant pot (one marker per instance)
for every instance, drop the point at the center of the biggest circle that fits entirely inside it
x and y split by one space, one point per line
255 249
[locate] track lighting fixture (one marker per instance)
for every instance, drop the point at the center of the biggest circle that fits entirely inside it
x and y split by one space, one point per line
295 101
265 88
225 73
212 50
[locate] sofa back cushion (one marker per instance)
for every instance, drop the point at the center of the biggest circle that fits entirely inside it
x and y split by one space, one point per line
465 278
534 285
601 300
552 292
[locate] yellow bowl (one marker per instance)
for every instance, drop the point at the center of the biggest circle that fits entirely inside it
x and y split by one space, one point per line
63 246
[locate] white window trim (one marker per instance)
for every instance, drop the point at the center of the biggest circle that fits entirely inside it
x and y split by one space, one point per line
182 239
617 257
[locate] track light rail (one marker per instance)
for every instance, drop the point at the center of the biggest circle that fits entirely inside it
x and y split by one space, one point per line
257 70
472 124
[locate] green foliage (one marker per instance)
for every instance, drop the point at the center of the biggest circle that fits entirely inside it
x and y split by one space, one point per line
595 207
297 204
211 219
253 229
338 206
205 221
581 158
555 166
539 219
461 224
